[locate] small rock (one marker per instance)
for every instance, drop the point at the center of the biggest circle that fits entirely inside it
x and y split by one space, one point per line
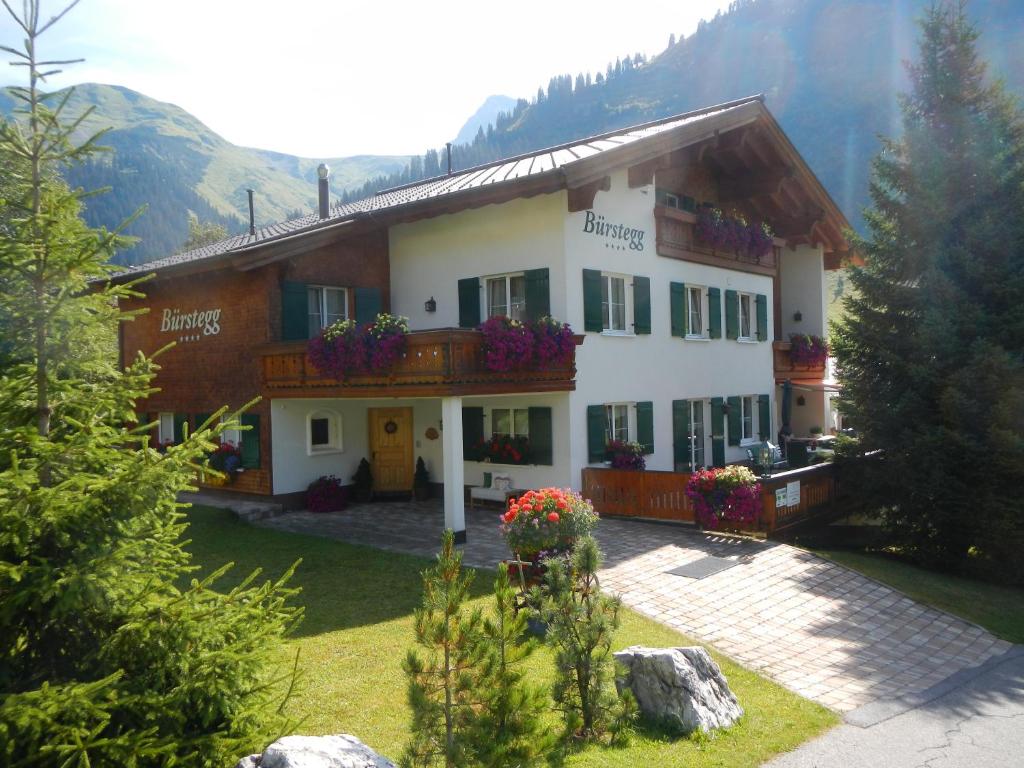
681 687
339 751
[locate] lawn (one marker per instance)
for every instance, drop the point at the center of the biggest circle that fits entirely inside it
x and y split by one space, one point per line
999 609
358 625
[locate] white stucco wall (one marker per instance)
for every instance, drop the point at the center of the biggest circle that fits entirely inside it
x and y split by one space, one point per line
429 257
659 367
803 290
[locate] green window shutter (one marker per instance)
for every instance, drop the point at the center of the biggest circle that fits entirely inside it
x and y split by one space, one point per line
592 320
597 428
180 425
469 302
681 433
541 442
645 426
735 421
294 312
369 304
251 441
717 432
538 293
715 313
641 304
472 433
732 315
762 317
764 417
200 418
677 307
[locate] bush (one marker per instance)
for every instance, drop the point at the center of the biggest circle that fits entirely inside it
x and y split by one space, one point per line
546 522
728 494
326 494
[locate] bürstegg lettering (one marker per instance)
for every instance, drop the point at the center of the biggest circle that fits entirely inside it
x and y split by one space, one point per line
206 319
596 225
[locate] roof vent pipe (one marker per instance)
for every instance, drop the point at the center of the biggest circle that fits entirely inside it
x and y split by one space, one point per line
448 146
252 214
323 173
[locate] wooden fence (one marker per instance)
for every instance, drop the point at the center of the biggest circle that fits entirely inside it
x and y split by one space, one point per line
809 493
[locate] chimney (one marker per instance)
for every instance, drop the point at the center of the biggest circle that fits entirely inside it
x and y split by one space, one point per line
252 214
323 174
448 146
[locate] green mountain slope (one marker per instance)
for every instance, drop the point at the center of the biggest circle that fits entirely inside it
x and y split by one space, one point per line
166 159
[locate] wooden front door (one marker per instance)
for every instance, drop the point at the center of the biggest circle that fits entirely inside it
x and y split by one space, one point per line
391 449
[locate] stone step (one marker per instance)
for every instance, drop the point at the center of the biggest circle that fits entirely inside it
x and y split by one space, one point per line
245 509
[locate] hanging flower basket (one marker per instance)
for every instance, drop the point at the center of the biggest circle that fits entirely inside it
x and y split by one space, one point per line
727 497
345 349
507 346
553 343
809 350
733 233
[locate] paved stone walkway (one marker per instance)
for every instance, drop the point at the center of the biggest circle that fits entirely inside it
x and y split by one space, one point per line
821 630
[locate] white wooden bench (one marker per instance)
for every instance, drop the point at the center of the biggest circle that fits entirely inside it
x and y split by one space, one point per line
500 491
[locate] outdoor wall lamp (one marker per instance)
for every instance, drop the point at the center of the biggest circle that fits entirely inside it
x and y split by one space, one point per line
800 400
430 305
798 315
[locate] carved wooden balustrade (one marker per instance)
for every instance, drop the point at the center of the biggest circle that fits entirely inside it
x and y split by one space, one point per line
446 361
785 368
675 239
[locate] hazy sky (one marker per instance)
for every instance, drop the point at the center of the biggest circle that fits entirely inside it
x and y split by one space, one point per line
323 79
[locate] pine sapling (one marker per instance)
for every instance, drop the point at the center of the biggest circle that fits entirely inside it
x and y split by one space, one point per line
441 681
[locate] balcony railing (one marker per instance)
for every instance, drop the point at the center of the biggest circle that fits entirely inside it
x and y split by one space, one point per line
435 363
785 368
675 239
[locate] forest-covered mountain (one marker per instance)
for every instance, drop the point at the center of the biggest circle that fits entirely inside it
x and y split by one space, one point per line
166 159
830 71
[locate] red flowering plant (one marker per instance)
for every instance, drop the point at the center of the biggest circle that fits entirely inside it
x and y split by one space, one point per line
625 455
729 495
508 344
504 449
385 340
553 343
227 458
546 523
326 494
339 350
808 350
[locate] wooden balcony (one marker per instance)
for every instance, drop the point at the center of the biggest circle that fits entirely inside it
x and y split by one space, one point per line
785 368
436 363
675 239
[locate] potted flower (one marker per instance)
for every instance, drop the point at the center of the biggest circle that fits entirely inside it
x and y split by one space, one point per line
504 449
546 523
421 481
362 482
507 344
553 343
807 349
625 455
227 460
339 350
326 494
384 339
728 496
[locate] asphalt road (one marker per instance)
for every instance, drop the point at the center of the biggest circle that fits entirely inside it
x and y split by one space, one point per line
973 720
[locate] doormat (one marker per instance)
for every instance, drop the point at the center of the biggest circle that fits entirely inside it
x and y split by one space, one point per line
706 566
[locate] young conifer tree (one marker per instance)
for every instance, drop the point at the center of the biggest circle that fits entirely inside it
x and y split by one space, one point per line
441 683
507 730
108 655
931 350
582 622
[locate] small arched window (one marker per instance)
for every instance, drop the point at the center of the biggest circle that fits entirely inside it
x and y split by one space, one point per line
323 432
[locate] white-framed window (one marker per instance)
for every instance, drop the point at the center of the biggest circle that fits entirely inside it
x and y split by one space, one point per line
696 301
165 431
748 321
233 436
613 303
510 422
618 422
506 295
327 305
747 416
698 435
323 432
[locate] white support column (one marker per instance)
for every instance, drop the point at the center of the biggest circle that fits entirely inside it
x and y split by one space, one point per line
454 472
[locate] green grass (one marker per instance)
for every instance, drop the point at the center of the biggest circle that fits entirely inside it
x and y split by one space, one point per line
999 609
358 625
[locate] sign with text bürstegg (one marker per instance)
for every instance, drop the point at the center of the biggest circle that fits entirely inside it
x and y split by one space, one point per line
615 236
191 326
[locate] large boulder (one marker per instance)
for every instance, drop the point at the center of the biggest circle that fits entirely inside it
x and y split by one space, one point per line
340 751
682 688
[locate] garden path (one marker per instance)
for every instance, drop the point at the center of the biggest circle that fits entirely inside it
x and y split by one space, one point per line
818 628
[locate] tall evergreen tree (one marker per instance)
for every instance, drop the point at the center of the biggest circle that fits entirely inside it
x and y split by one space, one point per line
931 351
107 656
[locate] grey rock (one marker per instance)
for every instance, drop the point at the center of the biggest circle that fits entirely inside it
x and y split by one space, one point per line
338 751
681 687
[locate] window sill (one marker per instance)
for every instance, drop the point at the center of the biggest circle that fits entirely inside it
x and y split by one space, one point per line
323 451
622 334
747 341
746 443
696 338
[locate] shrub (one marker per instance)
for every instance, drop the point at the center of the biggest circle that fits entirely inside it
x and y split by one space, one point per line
625 455
546 522
508 344
362 480
729 494
326 494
